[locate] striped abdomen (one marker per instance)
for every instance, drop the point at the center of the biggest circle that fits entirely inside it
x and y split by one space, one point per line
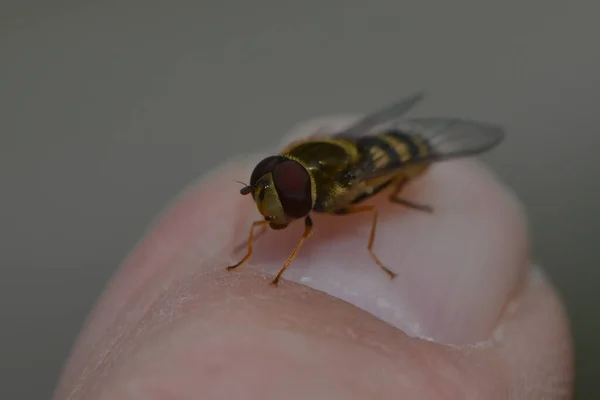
392 148
387 150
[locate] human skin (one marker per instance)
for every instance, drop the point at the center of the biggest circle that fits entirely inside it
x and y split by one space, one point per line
466 318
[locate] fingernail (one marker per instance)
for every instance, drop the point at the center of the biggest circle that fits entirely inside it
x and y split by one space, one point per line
457 267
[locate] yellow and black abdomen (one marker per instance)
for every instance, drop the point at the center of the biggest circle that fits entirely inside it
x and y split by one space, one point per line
393 151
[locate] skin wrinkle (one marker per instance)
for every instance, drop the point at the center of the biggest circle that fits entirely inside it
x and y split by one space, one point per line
151 324
289 360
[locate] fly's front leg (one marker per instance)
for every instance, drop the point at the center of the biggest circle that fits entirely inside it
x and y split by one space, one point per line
262 231
250 240
308 224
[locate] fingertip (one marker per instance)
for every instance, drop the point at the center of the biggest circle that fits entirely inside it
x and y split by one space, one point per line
430 253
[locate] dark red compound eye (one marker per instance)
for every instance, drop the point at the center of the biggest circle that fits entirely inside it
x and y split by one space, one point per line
292 183
262 168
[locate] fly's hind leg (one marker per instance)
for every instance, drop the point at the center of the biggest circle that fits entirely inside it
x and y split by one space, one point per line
394 198
373 209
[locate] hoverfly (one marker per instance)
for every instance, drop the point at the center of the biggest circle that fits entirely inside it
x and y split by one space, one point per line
334 174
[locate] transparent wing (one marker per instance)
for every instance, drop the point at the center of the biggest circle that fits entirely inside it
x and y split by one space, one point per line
385 115
447 138
451 137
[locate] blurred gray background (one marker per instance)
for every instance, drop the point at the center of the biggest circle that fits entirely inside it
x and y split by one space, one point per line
108 108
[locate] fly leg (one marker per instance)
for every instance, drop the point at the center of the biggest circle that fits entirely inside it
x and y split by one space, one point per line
262 231
398 200
308 224
250 240
373 209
